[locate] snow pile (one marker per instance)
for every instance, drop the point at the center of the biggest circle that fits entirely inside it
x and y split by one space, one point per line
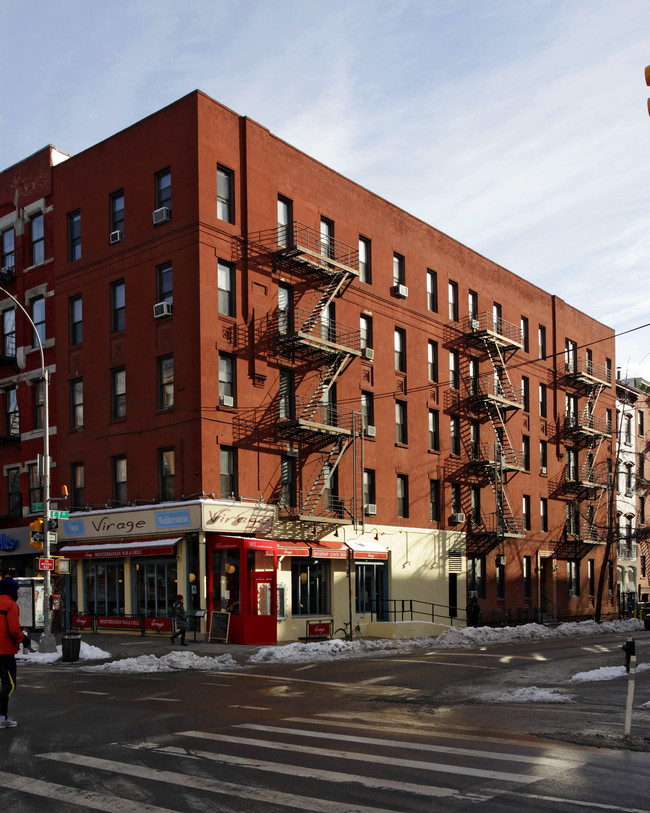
317 651
528 694
606 673
172 662
86 653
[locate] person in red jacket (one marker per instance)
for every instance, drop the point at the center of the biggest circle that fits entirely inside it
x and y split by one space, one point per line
11 636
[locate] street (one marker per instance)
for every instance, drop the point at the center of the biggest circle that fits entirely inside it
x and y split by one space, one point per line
392 733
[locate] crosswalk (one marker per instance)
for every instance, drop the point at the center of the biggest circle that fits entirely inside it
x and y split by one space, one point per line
323 763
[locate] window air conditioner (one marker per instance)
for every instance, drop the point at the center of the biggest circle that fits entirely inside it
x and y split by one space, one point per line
368 353
401 291
371 431
161 215
457 519
116 237
542 470
226 400
161 309
475 324
371 509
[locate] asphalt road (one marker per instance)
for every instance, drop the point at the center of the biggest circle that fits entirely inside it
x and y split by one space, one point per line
393 733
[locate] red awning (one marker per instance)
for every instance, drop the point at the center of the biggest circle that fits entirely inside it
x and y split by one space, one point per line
315 550
113 550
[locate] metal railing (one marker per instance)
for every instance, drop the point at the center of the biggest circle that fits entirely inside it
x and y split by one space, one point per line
410 609
488 324
587 370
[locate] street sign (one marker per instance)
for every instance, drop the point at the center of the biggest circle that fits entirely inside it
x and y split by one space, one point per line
60 514
36 507
52 537
46 564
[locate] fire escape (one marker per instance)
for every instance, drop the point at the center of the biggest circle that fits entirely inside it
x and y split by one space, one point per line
493 398
319 346
585 476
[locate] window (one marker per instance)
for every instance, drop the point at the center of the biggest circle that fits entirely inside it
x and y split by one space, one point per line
543 513
163 188
432 290
39 404
454 434
118 306
608 420
629 478
228 472
9 332
288 495
501 577
7 250
456 507
119 480
453 301
118 393
497 317
365 268
473 376
525 450
434 500
399 272
74 236
643 571
328 330
473 306
573 519
402 496
226 378
75 315
524 333
35 485
591 576
432 360
117 211
367 409
36 239
225 194
164 283
400 350
475 440
453 370
573 577
475 504
14 493
166 474
527 574
76 404
401 429
326 237
627 430
38 318
525 393
571 410
476 575
166 382
13 416
226 286
571 356
526 512
543 456
285 219
285 310
434 430
608 370
543 401
369 494
542 341
286 395
365 329
640 423
310 586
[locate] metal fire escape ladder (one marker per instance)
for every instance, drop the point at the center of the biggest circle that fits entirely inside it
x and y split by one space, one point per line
327 470
332 290
316 399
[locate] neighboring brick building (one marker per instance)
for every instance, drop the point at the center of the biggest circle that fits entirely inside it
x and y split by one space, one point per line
239 326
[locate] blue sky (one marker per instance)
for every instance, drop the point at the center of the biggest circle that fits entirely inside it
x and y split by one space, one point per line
518 127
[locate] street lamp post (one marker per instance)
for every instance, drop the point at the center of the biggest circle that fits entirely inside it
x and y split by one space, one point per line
47 641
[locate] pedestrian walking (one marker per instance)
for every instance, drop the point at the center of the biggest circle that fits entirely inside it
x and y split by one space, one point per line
473 610
11 636
180 617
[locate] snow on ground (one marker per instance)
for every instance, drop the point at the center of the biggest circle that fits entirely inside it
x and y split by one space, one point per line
172 662
606 673
527 694
86 653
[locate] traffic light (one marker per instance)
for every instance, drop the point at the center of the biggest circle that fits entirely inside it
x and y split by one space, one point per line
36 533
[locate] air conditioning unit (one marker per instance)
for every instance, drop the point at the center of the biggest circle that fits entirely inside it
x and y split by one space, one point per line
371 431
116 237
371 509
457 519
162 215
401 291
161 309
368 353
476 324
291 451
542 470
226 400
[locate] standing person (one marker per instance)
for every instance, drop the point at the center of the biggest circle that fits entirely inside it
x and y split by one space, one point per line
473 612
180 617
10 637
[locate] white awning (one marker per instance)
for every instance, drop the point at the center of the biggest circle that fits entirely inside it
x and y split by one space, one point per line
370 549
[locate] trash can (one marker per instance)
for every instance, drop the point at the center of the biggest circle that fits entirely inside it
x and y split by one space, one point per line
71 647
646 621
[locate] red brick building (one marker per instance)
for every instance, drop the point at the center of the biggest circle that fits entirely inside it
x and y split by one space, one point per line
240 325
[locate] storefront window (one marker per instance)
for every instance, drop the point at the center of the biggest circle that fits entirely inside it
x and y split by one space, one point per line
310 587
226 581
104 584
156 587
